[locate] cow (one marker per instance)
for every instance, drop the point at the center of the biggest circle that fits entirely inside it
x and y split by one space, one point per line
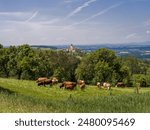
45 82
48 81
54 80
107 85
82 86
40 83
41 79
98 84
120 84
81 83
104 85
68 85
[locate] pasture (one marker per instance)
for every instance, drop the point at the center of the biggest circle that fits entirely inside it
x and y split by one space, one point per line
26 96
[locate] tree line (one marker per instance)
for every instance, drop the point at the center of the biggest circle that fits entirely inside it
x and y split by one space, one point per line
24 62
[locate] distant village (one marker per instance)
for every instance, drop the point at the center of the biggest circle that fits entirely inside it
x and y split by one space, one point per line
139 51
72 49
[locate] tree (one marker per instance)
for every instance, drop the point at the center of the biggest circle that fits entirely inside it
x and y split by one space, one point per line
59 74
23 60
56 63
1 46
85 69
4 61
66 64
102 65
102 72
136 66
44 64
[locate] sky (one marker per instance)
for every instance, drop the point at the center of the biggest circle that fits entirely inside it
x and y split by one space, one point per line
55 22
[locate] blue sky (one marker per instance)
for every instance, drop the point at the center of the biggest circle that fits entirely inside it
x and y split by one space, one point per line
54 22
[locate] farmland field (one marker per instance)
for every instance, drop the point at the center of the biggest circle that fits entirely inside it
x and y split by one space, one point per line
26 96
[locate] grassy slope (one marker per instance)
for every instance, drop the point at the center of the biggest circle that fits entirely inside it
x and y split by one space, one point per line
26 96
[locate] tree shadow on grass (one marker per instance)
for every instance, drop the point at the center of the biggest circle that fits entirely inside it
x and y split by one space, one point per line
5 90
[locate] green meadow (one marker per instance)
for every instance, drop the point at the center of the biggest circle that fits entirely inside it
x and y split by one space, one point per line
24 96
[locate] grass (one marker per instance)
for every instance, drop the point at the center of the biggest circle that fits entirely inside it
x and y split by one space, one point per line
26 96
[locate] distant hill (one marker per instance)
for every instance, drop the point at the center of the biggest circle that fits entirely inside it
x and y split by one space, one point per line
140 50
43 46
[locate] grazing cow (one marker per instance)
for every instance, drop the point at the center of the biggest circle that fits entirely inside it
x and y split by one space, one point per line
120 84
107 85
44 82
104 85
48 81
82 86
81 83
98 84
68 85
41 83
54 80
41 79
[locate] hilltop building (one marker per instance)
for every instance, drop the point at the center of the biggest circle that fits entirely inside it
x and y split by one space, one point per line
71 49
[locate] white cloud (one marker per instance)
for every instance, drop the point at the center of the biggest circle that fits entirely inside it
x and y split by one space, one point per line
46 28
48 22
98 14
148 32
80 8
25 17
33 16
15 14
147 22
132 35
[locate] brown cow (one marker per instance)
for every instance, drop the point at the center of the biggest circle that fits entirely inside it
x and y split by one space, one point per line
68 85
81 83
41 79
120 84
45 82
82 86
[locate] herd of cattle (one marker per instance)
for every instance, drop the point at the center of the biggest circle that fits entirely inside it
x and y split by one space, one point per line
71 85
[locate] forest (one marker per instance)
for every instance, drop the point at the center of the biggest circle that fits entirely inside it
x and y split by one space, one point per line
102 65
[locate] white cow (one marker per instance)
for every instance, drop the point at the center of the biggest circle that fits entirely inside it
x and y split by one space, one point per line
104 85
107 85
98 84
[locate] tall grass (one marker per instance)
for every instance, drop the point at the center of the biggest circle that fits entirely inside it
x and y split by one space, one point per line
26 96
